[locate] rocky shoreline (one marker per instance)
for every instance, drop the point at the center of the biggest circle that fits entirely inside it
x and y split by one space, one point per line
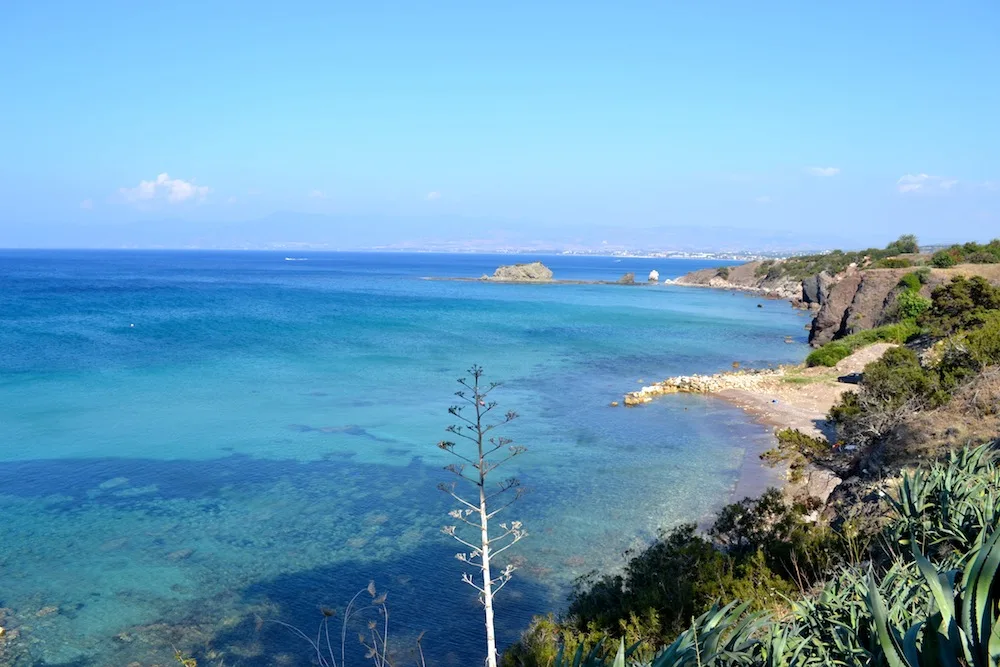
751 380
789 397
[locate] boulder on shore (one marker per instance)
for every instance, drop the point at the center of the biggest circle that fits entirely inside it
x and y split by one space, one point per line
521 273
627 279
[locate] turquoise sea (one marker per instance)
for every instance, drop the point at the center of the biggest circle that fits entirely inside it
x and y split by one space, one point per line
194 445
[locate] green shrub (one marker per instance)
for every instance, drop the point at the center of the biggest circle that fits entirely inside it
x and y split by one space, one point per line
828 355
960 304
892 387
927 594
944 259
723 272
983 342
910 305
905 245
832 352
911 281
923 274
972 253
892 263
980 257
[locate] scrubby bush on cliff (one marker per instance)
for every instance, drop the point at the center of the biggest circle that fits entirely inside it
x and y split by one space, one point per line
910 305
804 266
797 450
968 253
944 259
960 304
892 387
892 263
911 281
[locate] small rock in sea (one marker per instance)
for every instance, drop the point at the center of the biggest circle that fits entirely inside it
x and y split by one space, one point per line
47 611
614 404
759 305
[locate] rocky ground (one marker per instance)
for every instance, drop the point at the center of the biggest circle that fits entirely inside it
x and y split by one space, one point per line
521 273
745 279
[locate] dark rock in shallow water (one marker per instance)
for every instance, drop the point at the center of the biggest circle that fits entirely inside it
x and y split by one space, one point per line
521 273
627 279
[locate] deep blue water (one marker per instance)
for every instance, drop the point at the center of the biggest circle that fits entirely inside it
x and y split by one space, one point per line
196 444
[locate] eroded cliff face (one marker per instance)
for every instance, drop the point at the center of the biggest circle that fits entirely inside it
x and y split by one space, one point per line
862 300
848 302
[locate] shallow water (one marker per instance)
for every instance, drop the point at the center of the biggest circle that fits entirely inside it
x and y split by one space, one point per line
194 445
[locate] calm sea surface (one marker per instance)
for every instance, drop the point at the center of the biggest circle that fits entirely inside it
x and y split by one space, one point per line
194 445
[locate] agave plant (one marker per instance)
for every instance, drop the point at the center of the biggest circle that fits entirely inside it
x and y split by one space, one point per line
943 613
949 505
963 624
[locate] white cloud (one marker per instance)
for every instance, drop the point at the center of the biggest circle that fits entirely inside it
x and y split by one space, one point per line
763 199
823 171
174 190
992 186
914 183
86 203
317 194
431 196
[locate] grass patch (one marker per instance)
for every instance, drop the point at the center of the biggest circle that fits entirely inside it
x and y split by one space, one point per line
833 352
803 379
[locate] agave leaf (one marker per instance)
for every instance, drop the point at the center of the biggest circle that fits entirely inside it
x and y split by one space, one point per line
945 600
620 656
976 603
888 639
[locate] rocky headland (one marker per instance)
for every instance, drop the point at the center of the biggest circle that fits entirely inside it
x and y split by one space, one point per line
859 296
535 272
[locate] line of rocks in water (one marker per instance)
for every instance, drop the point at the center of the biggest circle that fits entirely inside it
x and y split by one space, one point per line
749 380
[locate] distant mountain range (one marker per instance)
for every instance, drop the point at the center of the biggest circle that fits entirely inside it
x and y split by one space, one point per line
288 230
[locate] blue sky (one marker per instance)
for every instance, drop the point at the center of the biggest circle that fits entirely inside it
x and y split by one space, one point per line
869 118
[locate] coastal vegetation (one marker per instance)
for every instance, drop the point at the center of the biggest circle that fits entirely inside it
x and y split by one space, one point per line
923 588
961 340
897 571
804 266
967 253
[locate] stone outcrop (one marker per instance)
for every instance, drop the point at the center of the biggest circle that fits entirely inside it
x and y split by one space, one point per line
627 279
534 272
745 278
816 483
860 300
816 289
751 380
830 318
850 301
